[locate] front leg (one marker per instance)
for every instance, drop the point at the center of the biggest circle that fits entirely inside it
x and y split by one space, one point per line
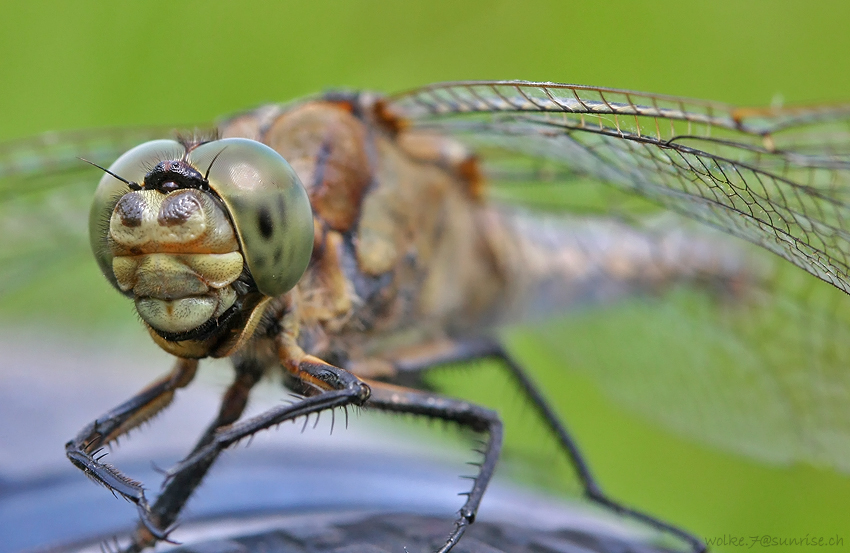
83 449
333 387
176 493
346 389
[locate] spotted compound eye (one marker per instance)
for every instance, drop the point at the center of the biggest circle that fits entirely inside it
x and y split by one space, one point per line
268 205
263 196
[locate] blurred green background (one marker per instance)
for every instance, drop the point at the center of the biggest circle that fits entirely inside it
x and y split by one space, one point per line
91 64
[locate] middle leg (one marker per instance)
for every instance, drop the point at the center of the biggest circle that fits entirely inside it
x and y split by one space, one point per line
412 365
388 397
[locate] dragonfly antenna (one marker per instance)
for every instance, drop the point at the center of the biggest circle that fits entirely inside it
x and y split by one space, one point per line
132 185
206 177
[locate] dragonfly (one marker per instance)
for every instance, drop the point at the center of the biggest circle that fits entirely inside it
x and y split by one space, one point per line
355 241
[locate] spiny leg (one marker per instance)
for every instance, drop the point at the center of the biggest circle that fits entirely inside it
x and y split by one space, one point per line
82 450
334 387
458 351
387 397
349 390
176 493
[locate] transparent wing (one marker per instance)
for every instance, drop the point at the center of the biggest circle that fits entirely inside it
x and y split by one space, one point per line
776 177
45 192
764 374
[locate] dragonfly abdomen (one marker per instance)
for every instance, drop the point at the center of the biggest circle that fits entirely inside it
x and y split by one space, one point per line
553 264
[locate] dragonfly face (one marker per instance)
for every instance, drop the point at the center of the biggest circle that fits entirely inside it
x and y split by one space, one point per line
200 253
406 240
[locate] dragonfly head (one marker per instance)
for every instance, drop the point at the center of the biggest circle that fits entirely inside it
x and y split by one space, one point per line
213 232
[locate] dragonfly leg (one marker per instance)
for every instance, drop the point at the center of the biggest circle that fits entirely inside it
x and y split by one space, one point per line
336 388
84 448
457 351
388 397
178 489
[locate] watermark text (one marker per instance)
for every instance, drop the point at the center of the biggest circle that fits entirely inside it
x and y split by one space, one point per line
769 540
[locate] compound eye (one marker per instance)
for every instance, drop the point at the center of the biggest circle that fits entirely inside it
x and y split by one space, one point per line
268 205
132 166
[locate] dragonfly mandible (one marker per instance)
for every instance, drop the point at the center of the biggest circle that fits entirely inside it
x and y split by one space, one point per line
410 265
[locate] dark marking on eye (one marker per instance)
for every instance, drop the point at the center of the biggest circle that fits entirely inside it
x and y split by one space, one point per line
278 255
177 209
130 208
265 223
260 261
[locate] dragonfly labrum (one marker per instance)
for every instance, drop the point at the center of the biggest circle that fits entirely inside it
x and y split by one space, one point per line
356 241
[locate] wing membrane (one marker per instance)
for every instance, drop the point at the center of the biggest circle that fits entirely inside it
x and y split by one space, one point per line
25 164
776 177
45 192
765 374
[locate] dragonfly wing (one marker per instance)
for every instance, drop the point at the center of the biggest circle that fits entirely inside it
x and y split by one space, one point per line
763 375
766 375
45 193
778 178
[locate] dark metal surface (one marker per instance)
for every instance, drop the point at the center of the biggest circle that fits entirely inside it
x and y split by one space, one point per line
385 533
312 500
